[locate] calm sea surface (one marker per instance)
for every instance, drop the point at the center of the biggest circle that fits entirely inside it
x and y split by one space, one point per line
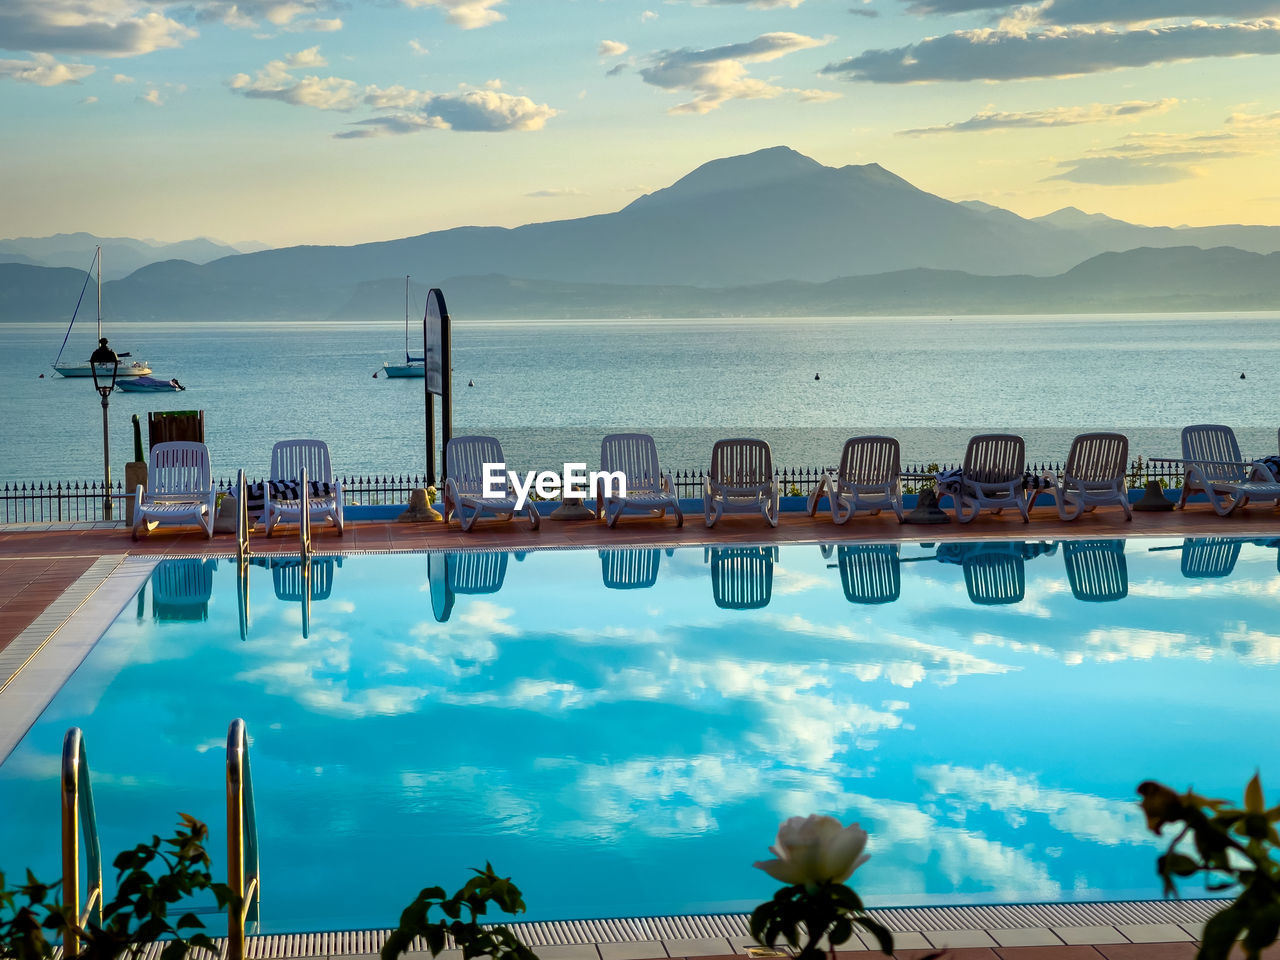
550 389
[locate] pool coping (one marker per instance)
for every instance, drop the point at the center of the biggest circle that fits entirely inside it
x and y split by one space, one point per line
993 927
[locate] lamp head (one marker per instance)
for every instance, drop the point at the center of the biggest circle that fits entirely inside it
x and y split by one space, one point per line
101 357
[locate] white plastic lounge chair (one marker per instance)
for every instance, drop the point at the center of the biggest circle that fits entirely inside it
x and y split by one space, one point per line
741 478
1211 459
464 487
869 478
288 459
1094 475
180 488
992 476
1096 570
649 487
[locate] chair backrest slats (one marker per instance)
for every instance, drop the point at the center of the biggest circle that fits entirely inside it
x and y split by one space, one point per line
481 572
742 577
871 461
995 458
870 573
466 458
629 569
1098 457
179 467
288 457
1209 558
1096 569
1213 441
636 455
741 462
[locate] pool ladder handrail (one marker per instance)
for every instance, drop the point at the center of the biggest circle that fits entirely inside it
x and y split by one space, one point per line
242 841
77 796
304 515
242 516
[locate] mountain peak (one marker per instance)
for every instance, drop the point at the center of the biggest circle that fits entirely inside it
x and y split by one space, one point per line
1074 218
742 172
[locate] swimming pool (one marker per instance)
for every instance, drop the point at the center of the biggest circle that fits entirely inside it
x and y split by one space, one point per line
621 731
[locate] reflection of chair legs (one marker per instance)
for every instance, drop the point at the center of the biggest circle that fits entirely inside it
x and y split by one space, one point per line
181 589
629 569
995 578
742 577
870 573
1209 558
1096 569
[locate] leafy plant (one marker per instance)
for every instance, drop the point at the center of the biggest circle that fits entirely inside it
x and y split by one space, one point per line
137 915
1233 847
497 942
814 856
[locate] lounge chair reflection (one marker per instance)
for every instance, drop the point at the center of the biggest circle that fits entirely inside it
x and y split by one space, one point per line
741 577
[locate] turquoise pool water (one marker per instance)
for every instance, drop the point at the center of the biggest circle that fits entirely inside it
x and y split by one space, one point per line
621 732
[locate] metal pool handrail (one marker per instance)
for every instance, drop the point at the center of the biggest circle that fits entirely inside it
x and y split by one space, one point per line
242 840
77 795
242 515
304 518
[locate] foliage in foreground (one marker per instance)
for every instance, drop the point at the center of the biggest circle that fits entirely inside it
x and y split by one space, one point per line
472 939
136 916
1233 847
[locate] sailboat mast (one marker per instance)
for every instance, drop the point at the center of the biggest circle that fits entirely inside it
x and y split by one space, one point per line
99 259
406 318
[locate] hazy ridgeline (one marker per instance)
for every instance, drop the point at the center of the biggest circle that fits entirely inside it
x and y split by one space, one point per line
550 390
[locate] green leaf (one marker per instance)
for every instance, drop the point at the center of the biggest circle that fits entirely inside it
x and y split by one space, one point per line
883 937
1220 932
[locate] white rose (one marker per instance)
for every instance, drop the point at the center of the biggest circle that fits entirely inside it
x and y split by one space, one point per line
814 849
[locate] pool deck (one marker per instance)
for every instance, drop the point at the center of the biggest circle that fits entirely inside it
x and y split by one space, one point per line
48 571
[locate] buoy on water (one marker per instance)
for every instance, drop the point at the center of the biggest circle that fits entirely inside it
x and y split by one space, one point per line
471 383
817 377
1242 376
375 374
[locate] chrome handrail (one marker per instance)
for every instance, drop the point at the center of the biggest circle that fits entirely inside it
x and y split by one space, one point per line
304 518
242 515
242 840
77 796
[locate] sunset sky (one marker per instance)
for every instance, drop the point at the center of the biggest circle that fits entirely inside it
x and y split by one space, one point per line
342 121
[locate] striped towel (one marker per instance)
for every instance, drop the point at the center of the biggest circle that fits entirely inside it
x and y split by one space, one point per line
948 481
282 490
1271 463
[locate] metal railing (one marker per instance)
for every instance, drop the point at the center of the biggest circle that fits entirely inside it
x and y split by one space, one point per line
242 841
77 812
63 502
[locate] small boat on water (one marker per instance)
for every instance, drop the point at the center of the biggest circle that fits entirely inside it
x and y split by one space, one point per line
412 366
148 385
127 368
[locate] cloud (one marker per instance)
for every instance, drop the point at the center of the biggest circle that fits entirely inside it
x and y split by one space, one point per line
611 48
864 11
757 4
315 26
719 74
991 54
274 82
648 15
1049 117
309 57
418 48
104 28
89 100
152 97
44 71
1070 12
617 69
484 109
286 14
1158 158
555 192
122 78
467 14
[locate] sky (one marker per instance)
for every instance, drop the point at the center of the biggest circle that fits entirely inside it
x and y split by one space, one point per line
345 121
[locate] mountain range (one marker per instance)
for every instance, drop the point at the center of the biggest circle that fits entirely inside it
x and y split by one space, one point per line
121 255
772 232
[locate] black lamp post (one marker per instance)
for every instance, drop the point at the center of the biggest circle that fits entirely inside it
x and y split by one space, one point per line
102 356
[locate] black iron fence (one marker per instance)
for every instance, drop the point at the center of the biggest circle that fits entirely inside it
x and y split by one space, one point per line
83 501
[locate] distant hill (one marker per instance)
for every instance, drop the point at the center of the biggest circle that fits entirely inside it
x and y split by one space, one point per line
773 217
120 255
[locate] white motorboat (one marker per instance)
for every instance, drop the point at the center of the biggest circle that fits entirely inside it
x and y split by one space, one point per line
127 368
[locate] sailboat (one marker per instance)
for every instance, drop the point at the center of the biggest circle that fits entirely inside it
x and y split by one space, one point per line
412 366
132 368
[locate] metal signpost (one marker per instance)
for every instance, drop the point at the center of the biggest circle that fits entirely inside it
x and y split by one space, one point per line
437 379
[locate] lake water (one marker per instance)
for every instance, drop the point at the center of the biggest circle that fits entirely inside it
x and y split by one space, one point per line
550 389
